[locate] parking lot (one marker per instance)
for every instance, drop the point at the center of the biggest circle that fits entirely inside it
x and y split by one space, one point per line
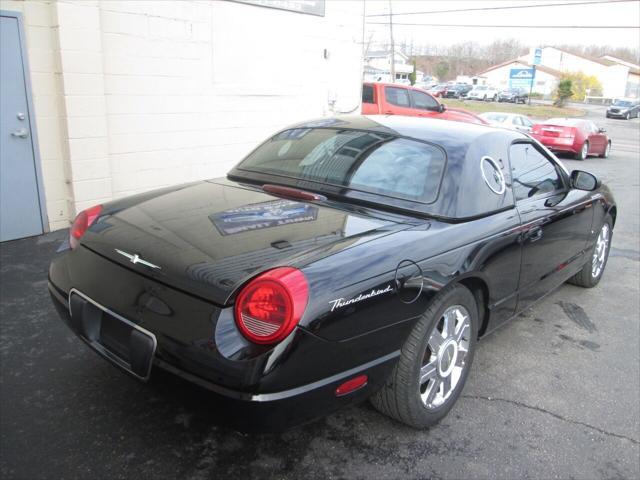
554 393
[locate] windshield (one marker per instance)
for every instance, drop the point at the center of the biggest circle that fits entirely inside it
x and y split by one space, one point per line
622 103
364 161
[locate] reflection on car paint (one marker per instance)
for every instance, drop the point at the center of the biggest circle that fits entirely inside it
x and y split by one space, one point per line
263 215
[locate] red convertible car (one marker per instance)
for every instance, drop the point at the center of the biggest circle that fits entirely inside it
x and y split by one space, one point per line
392 99
573 136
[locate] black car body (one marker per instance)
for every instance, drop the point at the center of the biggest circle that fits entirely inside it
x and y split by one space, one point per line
457 91
626 109
513 95
160 278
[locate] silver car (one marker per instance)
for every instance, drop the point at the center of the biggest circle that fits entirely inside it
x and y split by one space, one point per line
512 121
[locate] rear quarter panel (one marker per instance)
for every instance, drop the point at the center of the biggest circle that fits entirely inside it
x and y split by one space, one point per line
487 249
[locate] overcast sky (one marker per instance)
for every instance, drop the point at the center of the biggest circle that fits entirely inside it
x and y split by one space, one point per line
618 14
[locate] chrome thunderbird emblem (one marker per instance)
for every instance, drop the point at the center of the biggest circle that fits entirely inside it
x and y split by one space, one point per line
135 258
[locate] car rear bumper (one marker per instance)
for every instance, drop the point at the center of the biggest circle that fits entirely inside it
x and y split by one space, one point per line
270 391
558 144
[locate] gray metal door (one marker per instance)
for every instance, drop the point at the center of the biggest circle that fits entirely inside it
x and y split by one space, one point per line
20 211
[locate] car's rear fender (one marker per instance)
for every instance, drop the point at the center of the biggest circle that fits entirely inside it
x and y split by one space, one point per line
341 307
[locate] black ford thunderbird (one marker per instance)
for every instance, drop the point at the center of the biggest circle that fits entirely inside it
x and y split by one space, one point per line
343 259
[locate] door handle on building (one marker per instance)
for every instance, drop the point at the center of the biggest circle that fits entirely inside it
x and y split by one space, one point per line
20 133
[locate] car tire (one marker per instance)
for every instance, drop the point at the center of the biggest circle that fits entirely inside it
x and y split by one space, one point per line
592 271
484 99
607 149
584 151
416 391
627 116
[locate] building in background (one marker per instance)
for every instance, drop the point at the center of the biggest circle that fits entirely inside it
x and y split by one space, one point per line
117 98
505 75
618 77
377 67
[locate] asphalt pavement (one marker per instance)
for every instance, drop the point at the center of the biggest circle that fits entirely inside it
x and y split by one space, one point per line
553 394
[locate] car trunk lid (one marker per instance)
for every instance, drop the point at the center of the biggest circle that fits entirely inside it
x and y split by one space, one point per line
210 237
550 130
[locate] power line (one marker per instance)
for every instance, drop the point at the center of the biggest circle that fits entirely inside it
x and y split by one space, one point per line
506 26
508 7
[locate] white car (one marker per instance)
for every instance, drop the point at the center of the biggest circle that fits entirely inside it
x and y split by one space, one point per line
483 92
512 121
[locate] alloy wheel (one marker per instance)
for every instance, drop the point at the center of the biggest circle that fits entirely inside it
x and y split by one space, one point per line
445 356
585 150
600 252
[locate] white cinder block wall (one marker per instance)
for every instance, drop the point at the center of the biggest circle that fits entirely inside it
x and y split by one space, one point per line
135 95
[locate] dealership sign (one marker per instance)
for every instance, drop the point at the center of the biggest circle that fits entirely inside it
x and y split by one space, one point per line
521 77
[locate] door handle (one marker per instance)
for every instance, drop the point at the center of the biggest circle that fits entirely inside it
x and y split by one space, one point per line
388 113
534 234
20 133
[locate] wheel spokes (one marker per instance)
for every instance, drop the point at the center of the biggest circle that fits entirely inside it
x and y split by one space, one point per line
462 330
446 386
436 341
429 371
449 323
432 390
462 355
449 338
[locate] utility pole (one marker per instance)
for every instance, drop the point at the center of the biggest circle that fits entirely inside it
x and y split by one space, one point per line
393 46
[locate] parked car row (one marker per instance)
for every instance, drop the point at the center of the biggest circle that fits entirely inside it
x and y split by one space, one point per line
474 92
577 137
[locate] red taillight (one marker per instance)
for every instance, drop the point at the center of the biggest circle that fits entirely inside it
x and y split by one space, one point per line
351 385
270 306
82 222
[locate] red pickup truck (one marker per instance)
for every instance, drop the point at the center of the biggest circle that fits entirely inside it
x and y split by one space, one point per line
391 99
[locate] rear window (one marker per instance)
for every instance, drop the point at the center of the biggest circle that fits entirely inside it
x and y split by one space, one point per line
367 94
364 161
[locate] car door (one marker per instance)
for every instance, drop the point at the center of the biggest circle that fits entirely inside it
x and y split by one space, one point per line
397 102
424 104
555 221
